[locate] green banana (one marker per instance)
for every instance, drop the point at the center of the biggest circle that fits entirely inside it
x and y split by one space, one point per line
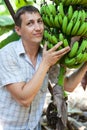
72 22
75 66
77 24
82 47
85 30
74 2
69 61
45 35
79 1
79 15
85 34
52 9
70 12
60 9
51 38
51 20
56 2
84 58
76 27
67 2
60 19
47 11
65 43
54 40
83 18
63 1
42 9
56 22
83 2
69 27
74 49
64 24
81 29
75 16
49 45
78 58
61 37
46 20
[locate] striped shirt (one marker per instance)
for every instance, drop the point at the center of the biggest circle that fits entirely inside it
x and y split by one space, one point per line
15 67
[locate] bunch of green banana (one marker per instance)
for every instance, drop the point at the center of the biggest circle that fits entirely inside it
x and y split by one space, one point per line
68 21
54 39
62 38
48 12
74 2
76 24
77 55
50 37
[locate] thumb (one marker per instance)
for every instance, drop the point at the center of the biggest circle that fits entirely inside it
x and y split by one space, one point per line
45 47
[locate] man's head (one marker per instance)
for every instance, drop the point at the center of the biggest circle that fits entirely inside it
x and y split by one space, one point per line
22 11
29 24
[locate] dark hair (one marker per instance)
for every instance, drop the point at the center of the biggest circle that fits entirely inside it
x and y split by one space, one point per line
23 10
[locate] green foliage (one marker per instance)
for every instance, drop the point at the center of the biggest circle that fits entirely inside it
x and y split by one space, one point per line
20 3
12 37
6 20
5 29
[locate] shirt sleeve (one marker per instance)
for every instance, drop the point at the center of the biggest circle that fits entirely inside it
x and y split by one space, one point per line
10 71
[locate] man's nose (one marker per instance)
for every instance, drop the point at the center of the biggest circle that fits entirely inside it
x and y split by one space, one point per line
37 26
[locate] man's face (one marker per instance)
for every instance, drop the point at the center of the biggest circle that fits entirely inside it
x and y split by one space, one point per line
32 27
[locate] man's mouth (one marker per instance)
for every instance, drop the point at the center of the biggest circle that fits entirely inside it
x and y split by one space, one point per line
38 34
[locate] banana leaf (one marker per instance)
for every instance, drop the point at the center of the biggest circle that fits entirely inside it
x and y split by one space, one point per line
9 39
6 20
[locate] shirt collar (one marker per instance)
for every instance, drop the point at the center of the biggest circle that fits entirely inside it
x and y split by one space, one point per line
20 47
21 50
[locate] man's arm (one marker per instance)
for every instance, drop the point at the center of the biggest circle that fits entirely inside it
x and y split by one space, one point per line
75 78
24 93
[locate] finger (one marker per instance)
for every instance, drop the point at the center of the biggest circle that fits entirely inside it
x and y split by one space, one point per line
45 47
62 51
56 46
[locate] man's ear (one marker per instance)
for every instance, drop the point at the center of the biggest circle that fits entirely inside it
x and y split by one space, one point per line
18 30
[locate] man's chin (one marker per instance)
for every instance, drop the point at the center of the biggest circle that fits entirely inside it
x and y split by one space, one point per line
38 40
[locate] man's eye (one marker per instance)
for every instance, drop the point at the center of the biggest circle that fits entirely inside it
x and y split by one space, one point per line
30 23
40 21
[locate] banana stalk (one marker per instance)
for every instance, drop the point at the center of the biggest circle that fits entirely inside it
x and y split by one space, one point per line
61 77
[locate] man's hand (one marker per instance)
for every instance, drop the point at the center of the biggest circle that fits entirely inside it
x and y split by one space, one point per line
53 55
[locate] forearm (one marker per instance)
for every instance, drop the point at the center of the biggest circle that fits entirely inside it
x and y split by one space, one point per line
75 78
29 90
32 87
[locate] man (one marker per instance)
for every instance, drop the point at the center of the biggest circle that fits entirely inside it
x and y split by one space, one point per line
24 70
